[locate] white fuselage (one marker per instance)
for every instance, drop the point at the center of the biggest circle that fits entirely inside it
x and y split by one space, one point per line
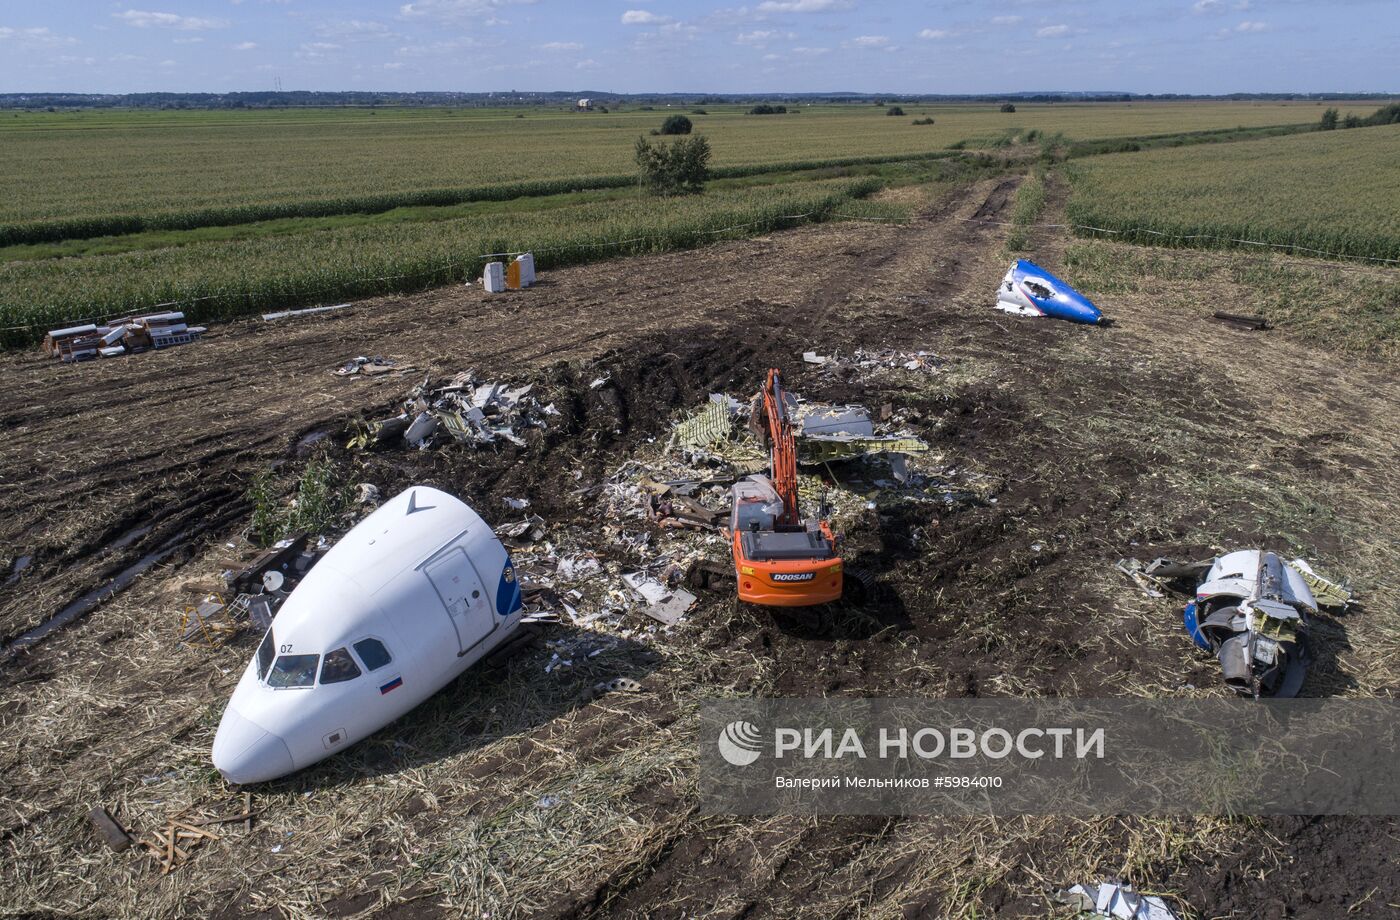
410 598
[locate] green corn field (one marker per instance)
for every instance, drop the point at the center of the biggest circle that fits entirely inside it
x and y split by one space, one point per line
1333 192
67 175
221 280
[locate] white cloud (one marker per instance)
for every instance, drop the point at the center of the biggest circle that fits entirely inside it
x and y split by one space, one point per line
245 46
935 33
1208 6
189 40
451 46
1005 20
455 9
810 52
561 46
39 37
315 50
1252 26
145 19
587 64
1052 31
354 29
761 37
392 65
642 17
803 6
870 41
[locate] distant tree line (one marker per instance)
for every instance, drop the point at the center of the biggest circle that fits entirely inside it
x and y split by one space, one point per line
1386 115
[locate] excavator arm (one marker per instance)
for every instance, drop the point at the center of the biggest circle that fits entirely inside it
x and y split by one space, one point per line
782 446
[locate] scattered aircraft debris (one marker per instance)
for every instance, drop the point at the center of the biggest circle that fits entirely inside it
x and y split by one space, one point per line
863 361
1118 901
665 605
1251 609
309 311
412 596
464 410
1029 290
120 336
365 366
616 685
258 590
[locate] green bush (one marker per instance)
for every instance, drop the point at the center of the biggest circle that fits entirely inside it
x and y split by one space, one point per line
322 500
676 124
1007 107
1329 120
923 121
1388 115
678 168
894 110
766 109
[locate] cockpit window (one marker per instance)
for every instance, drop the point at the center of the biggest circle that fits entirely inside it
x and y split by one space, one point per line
373 653
339 667
266 652
293 671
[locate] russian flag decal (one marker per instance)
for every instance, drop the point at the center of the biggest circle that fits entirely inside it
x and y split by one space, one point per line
394 684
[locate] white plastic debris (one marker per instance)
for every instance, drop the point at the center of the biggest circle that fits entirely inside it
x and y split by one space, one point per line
811 357
1120 901
422 430
573 568
665 605
519 504
369 494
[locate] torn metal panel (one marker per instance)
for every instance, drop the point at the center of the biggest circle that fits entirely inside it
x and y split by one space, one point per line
825 449
1120 902
665 605
814 420
1327 593
420 433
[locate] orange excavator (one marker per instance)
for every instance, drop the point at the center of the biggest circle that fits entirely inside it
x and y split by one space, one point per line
780 559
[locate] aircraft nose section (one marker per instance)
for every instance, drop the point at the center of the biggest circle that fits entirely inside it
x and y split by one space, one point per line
244 752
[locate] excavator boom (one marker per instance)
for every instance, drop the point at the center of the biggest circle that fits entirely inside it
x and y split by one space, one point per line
782 446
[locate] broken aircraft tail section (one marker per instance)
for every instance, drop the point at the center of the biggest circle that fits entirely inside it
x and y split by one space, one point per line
1029 290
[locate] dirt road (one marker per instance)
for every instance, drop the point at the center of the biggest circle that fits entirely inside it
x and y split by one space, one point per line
1163 434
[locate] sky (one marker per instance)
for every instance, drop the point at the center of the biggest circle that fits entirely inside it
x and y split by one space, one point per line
1149 46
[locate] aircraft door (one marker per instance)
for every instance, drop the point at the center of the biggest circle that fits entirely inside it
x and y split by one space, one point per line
454 578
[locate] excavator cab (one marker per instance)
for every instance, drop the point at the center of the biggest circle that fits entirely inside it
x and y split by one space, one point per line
780 560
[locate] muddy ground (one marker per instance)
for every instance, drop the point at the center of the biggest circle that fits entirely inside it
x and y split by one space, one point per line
1164 434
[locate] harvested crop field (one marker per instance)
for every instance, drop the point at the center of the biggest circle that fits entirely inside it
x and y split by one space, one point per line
517 791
